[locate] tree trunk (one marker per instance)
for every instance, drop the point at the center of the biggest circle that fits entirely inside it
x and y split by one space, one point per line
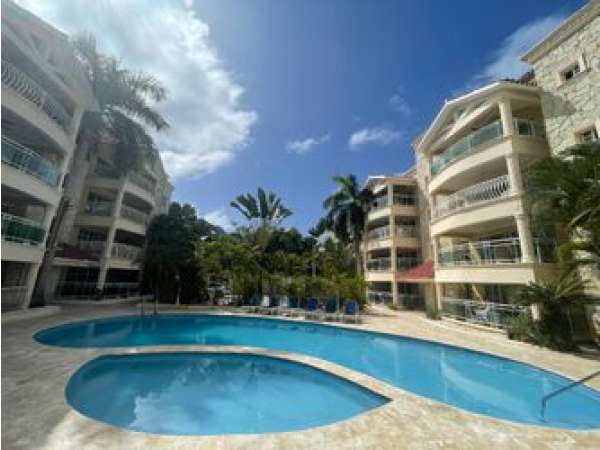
358 256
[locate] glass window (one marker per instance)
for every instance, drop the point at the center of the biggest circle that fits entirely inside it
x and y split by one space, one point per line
588 136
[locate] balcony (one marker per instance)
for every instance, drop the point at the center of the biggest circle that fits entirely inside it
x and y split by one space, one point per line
406 262
498 251
384 232
125 251
99 208
13 297
482 138
32 92
105 171
403 199
497 315
485 191
379 265
134 215
94 247
142 182
21 230
29 162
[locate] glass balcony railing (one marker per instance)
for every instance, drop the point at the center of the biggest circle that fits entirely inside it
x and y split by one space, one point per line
498 315
99 208
497 251
31 91
29 162
134 214
125 251
379 265
21 230
141 181
403 199
95 247
475 141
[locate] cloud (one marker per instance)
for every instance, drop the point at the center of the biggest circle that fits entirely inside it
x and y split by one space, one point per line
209 123
377 135
399 104
505 62
219 218
301 147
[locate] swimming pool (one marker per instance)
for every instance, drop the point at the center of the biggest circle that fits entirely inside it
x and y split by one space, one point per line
470 380
213 393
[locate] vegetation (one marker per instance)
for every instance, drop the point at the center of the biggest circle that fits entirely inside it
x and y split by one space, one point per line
345 214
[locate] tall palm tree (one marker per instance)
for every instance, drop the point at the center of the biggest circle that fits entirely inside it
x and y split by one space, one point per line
266 209
346 212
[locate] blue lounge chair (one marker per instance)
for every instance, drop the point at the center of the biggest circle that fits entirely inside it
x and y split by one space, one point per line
293 308
351 311
272 305
331 309
311 309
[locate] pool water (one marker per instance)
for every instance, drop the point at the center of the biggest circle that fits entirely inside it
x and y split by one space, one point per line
470 380
213 393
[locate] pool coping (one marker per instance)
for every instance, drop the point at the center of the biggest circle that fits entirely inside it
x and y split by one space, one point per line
365 430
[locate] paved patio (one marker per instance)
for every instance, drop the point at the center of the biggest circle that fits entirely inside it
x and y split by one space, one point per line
36 416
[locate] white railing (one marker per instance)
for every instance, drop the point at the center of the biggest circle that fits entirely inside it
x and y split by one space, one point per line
13 297
497 251
26 160
141 181
379 233
406 231
31 91
379 265
95 247
99 208
125 251
492 314
481 192
134 214
404 199
21 230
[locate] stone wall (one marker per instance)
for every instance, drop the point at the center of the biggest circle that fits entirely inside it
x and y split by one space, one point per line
575 104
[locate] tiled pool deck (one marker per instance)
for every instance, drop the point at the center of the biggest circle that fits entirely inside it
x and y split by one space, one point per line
36 416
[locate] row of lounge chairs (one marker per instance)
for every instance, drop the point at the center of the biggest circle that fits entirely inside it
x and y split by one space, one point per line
311 308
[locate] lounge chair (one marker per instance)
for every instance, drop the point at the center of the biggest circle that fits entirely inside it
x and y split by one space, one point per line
293 308
272 305
331 309
351 311
253 304
311 309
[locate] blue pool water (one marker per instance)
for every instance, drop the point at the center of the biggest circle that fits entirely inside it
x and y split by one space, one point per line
213 393
473 381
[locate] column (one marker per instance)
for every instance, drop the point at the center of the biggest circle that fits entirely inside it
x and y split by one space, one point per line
110 238
525 238
506 117
436 250
395 297
515 177
439 295
31 279
390 194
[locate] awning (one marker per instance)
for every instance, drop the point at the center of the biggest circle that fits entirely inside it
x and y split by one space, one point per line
423 273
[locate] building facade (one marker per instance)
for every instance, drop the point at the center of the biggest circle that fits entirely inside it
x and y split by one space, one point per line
72 225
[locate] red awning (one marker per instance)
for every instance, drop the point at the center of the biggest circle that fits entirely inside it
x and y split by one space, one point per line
423 272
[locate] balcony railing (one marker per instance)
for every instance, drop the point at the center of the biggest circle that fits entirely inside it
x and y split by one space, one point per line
379 296
13 297
498 251
134 214
125 251
379 265
379 233
498 315
406 231
95 247
31 91
88 290
481 192
406 262
21 230
475 141
404 199
99 208
142 182
29 162
106 171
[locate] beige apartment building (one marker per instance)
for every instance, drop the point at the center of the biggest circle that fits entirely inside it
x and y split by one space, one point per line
398 267
95 218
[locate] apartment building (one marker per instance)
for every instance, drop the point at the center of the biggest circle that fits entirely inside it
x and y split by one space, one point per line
567 72
472 161
44 96
398 268
70 219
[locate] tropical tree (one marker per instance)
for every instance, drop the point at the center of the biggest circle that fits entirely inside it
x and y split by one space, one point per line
345 213
266 210
565 190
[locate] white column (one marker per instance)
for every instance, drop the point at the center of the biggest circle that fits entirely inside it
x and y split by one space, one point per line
525 238
439 294
436 249
395 298
31 279
515 177
110 238
390 194
506 117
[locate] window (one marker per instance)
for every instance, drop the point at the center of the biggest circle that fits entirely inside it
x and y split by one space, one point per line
570 72
588 135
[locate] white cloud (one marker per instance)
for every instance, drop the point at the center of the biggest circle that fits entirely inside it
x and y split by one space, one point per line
506 62
219 218
209 123
301 147
377 135
399 104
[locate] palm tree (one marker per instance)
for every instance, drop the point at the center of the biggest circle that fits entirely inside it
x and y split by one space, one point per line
346 213
564 189
266 208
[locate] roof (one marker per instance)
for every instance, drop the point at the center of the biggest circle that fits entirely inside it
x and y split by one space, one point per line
422 272
566 29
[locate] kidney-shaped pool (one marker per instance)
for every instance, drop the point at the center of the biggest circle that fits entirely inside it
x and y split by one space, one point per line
474 381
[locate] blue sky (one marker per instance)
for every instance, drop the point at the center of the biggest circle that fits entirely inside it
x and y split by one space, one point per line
286 94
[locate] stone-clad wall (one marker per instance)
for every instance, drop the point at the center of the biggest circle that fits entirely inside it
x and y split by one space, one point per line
575 104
